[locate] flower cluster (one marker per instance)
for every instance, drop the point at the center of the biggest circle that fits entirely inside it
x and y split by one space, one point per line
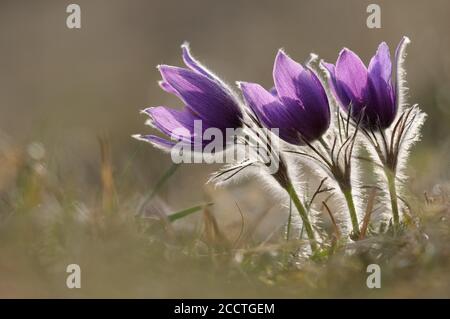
321 111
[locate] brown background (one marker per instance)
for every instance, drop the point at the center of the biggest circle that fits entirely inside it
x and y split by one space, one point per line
64 87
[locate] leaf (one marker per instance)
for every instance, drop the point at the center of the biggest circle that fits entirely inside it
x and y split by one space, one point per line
169 172
186 212
172 169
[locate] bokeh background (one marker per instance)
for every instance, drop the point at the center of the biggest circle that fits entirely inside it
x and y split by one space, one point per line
63 88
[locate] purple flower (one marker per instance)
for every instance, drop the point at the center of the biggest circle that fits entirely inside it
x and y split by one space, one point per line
368 90
297 105
206 98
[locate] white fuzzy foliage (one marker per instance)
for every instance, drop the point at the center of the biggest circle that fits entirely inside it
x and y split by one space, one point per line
336 135
400 74
395 142
407 138
383 145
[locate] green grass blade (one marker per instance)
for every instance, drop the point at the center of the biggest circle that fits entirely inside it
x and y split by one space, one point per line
172 169
186 212
169 172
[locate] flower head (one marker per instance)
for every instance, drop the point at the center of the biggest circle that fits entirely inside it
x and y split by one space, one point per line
297 106
206 98
368 93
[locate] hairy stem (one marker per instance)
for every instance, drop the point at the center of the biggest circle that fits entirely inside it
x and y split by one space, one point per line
282 177
393 194
347 191
324 144
303 214
288 230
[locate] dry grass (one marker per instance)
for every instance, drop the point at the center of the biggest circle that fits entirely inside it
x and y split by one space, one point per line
131 247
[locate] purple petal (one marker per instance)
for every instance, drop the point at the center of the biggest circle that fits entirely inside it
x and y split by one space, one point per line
192 63
196 66
156 141
303 95
352 77
203 96
381 96
337 90
332 76
270 111
166 87
331 70
285 74
174 123
273 91
312 95
380 66
311 122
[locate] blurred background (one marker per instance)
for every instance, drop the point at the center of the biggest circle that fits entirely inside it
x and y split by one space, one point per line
61 89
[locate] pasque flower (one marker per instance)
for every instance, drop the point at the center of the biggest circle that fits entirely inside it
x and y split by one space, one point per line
206 98
297 106
368 93
374 95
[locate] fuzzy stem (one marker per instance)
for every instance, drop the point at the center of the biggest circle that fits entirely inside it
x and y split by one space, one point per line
324 144
351 208
346 189
288 231
282 177
393 194
303 214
